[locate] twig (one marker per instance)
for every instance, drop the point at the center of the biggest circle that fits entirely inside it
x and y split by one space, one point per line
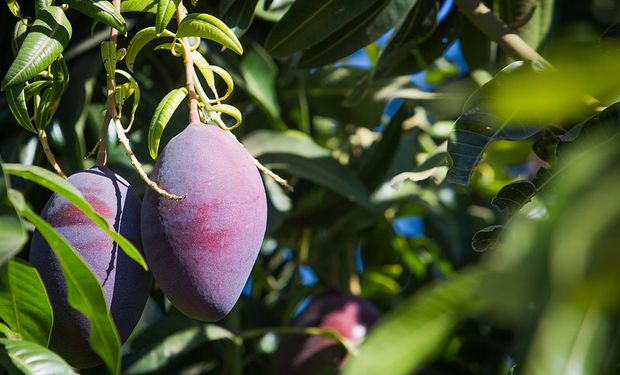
110 103
48 152
217 118
122 138
495 29
113 115
189 67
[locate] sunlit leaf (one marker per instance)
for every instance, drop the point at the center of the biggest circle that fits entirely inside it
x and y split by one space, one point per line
46 40
209 27
143 6
164 111
102 11
141 39
24 304
32 359
260 72
165 11
63 188
83 289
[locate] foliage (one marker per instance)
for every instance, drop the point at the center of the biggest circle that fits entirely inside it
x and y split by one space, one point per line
469 196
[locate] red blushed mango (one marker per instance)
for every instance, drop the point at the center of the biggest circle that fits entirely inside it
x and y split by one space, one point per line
125 284
202 248
351 317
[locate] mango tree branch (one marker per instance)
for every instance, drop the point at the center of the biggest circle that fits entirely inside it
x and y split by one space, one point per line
495 29
189 66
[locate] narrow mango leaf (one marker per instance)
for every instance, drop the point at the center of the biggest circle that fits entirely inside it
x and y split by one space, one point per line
62 187
230 111
134 89
241 15
35 88
206 26
260 73
6 332
165 12
308 22
102 11
13 236
83 289
19 34
418 329
142 6
296 153
361 31
208 71
46 40
16 100
162 115
24 304
30 358
139 40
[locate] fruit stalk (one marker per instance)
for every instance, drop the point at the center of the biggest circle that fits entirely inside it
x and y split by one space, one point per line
48 152
194 118
110 104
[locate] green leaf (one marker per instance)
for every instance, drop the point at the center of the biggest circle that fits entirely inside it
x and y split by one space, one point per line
241 15
33 359
165 11
206 26
83 289
260 73
208 71
308 22
230 110
513 196
44 43
142 6
132 89
418 329
63 188
361 31
102 11
295 152
14 8
486 238
139 40
24 304
13 236
164 111
19 34
16 100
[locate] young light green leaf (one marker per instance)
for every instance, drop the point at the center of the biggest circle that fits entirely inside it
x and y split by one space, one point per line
139 40
308 22
162 115
83 290
24 304
102 11
419 328
16 100
46 40
165 12
208 71
61 187
30 358
108 55
206 26
35 88
230 111
134 89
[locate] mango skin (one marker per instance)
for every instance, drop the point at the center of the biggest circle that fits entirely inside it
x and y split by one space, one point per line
125 284
350 316
202 248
